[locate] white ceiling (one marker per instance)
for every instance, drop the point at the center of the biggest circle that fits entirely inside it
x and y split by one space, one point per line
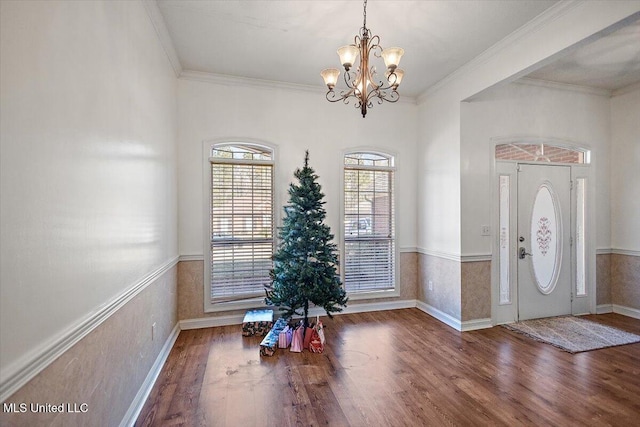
611 62
292 41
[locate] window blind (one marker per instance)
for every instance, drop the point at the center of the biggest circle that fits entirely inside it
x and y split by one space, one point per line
241 228
369 231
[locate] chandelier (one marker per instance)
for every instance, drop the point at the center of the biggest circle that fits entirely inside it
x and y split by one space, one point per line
364 84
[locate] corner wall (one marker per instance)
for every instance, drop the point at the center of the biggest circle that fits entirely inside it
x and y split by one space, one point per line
88 208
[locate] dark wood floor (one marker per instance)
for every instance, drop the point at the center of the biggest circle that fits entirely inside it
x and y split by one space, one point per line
396 368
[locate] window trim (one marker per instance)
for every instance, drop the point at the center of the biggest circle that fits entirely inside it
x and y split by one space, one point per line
207 146
372 294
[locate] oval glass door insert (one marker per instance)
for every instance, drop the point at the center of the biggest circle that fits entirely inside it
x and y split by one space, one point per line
546 231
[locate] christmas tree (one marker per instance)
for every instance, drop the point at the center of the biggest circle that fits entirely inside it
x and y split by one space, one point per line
305 264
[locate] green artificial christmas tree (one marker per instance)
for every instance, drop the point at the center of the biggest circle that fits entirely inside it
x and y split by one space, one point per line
305 264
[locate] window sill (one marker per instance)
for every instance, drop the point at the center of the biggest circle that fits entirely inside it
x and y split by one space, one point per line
235 305
389 293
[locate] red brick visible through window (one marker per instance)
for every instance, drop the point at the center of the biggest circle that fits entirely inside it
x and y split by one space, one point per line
538 153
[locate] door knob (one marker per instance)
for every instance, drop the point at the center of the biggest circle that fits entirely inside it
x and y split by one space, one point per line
522 252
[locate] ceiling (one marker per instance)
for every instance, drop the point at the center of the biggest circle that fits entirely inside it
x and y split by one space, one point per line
292 41
611 62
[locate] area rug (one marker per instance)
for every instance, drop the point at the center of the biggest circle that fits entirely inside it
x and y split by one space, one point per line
573 334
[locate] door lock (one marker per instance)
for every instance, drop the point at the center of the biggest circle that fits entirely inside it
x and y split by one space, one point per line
522 252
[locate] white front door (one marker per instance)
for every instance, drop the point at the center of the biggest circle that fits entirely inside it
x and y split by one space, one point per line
544 252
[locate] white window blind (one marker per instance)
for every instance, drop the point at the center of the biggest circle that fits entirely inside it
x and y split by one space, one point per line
369 230
241 223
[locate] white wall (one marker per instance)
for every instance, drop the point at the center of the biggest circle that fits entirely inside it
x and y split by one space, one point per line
528 111
439 176
294 121
625 171
88 165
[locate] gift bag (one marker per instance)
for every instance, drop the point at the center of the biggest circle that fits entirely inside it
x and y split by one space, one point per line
284 339
315 345
320 330
308 332
297 340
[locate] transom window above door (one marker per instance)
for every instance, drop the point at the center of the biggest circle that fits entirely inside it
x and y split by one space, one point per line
541 152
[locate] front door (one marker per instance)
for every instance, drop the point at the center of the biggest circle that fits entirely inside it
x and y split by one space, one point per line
544 252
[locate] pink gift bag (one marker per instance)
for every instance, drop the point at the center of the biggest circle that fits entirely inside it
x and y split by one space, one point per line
297 341
284 338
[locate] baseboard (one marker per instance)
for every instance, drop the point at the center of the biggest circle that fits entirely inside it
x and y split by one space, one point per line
626 311
145 389
211 322
34 362
236 319
376 306
440 315
475 324
604 308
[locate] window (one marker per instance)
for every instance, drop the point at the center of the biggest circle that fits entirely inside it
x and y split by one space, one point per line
241 221
505 239
369 222
541 152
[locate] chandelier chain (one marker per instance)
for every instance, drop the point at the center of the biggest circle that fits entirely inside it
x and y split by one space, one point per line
364 14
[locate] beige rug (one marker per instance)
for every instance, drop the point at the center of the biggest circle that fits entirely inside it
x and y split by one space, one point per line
573 334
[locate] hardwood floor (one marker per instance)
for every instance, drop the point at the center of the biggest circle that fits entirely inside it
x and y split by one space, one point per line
396 368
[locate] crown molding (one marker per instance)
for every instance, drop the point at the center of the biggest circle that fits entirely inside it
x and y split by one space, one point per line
554 12
228 80
627 89
528 81
153 11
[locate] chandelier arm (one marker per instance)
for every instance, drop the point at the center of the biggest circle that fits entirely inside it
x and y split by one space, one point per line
389 96
349 80
332 96
374 46
377 84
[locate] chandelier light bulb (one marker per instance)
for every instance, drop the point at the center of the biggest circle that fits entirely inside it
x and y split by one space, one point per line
330 76
392 57
348 55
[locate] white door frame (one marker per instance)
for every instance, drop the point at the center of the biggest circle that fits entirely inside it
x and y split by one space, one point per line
507 312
